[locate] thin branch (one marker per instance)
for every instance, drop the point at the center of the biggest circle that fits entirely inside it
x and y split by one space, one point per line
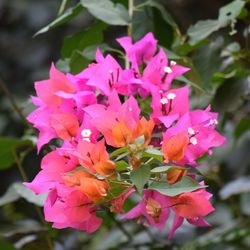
62 7
39 213
13 102
120 226
130 25
130 13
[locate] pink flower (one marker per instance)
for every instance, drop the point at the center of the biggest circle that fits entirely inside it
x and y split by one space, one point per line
53 167
199 126
152 210
117 203
102 75
191 206
168 106
141 51
47 89
122 121
160 72
71 208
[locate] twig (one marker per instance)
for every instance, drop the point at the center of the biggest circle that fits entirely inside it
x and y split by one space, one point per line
13 102
62 7
120 226
130 25
39 213
130 13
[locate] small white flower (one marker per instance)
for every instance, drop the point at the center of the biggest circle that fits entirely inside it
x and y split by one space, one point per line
193 140
173 63
171 96
164 100
213 122
86 133
191 131
86 139
167 70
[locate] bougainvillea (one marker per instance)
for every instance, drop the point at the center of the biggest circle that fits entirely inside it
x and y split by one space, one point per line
119 132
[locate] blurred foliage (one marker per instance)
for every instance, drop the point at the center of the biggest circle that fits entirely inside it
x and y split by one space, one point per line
211 37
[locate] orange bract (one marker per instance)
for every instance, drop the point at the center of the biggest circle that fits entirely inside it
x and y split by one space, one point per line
122 134
175 175
66 125
93 188
174 148
104 167
144 127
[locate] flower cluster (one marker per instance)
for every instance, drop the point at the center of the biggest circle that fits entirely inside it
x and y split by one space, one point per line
113 127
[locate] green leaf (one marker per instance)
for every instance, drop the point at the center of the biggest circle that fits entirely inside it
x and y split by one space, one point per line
229 95
8 146
83 39
207 61
119 151
165 15
202 29
171 55
145 16
238 186
65 17
165 168
160 169
4 245
140 176
187 81
227 15
121 156
121 165
116 189
245 203
186 184
231 11
29 195
17 191
90 51
63 65
107 11
10 196
154 153
78 62
242 127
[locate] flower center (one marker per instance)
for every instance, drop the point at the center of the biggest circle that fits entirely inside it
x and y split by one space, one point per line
153 209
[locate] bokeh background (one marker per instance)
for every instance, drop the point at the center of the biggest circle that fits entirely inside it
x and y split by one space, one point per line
220 62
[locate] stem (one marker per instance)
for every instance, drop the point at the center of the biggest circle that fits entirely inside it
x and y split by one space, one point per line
20 167
62 7
13 102
120 226
130 26
39 213
130 13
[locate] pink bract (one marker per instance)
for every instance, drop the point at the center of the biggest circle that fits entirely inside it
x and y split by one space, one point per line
136 111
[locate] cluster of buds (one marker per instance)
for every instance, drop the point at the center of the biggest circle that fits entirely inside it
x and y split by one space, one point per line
118 132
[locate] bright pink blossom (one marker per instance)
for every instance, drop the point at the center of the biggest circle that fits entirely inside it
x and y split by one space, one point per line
71 208
153 209
47 89
191 206
141 51
199 126
53 167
